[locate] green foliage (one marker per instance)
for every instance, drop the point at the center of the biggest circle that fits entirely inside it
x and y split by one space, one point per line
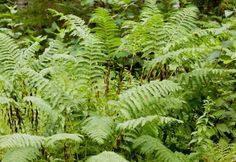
21 155
50 141
106 157
98 128
135 80
106 30
20 140
133 123
149 145
140 99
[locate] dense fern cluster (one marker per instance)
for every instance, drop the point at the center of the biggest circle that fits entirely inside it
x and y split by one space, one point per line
160 88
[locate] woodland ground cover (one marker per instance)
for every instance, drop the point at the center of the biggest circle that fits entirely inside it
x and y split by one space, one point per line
118 81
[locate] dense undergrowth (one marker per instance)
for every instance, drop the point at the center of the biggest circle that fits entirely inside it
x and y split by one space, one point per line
159 88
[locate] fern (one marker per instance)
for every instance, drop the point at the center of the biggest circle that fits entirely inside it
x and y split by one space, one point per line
45 60
203 76
35 80
138 99
107 156
140 122
90 56
167 35
21 155
9 55
20 140
76 26
150 9
5 100
149 145
89 68
50 141
43 106
220 152
106 30
179 57
98 128
29 52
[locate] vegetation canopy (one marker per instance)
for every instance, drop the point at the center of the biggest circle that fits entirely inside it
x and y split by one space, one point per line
118 81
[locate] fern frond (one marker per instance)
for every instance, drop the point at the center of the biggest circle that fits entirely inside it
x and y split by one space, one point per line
74 24
30 51
230 153
107 156
203 76
5 100
106 30
185 18
43 106
50 141
35 79
149 145
178 56
44 60
20 140
77 26
137 99
64 57
90 67
165 36
98 128
140 122
21 154
5 83
149 10
9 53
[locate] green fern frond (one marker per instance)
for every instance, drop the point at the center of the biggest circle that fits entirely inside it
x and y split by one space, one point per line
149 10
43 106
30 51
64 57
45 60
90 67
202 76
35 79
21 155
185 18
223 151
47 89
140 122
9 53
75 25
178 56
230 153
106 30
98 128
50 141
5 100
5 84
149 145
20 140
137 99
165 36
107 156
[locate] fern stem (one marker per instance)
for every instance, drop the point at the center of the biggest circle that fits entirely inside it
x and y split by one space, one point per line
107 77
65 153
119 86
131 68
19 118
85 150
